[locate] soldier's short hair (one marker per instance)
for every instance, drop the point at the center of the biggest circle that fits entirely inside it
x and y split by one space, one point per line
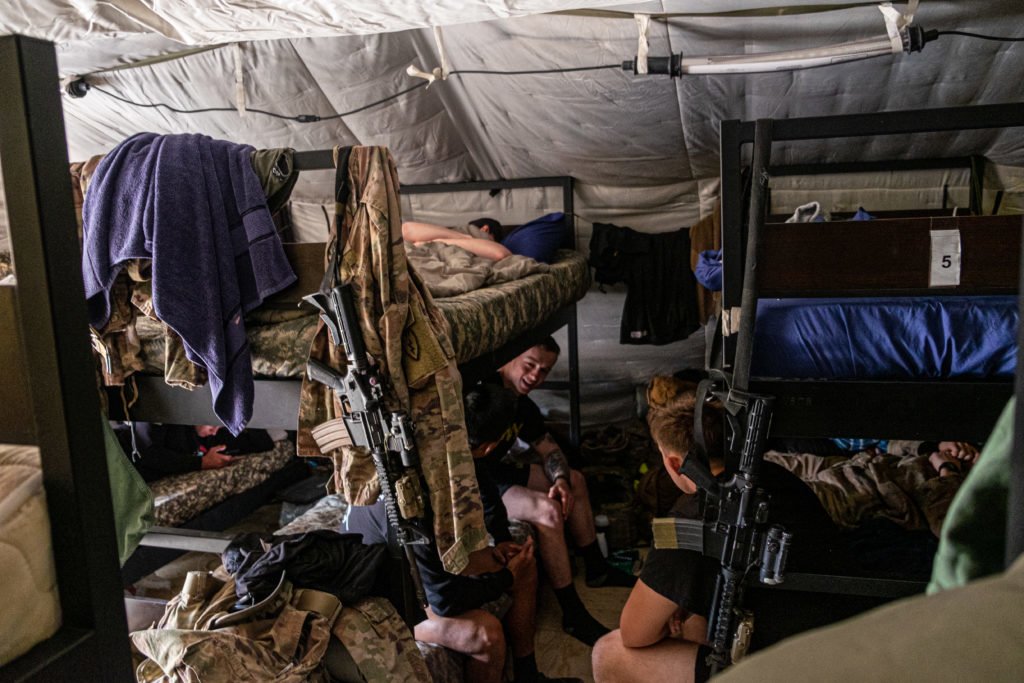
549 344
488 407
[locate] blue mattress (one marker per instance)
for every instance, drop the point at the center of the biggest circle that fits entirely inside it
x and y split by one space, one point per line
890 338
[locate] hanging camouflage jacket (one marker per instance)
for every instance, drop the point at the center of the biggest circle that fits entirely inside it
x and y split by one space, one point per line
409 337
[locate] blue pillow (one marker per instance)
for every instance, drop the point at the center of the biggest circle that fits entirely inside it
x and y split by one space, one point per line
538 239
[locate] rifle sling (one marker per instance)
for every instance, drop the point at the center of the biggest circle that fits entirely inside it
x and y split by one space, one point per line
340 233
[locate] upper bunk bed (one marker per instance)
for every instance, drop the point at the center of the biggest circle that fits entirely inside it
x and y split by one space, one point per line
947 284
885 288
489 326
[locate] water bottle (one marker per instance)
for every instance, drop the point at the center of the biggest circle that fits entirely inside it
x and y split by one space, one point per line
601 525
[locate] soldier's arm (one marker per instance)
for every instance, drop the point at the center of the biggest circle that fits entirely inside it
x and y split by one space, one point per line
556 465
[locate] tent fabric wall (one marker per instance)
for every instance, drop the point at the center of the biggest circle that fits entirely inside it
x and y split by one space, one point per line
643 149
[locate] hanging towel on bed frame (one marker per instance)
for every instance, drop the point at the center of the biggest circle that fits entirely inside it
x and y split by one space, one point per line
195 207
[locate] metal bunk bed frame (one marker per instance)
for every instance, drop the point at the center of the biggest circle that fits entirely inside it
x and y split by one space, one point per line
804 408
49 395
276 401
806 419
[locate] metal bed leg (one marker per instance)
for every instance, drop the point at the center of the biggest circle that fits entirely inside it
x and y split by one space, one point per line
748 304
574 379
1015 495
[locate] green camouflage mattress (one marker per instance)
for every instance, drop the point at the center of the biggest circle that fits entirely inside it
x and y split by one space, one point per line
481 321
180 497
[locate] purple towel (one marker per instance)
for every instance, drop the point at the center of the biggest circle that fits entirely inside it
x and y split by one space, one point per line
195 207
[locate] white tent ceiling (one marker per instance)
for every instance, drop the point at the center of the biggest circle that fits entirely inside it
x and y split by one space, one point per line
644 149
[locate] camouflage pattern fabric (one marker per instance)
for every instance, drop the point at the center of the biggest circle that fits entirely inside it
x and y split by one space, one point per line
180 497
408 337
81 174
201 638
479 321
118 344
486 319
355 471
380 642
326 514
278 340
903 489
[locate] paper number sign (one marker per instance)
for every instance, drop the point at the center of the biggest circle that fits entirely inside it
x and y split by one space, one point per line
945 270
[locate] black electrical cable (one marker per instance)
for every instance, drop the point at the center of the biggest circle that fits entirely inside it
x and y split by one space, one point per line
978 35
460 72
313 118
301 118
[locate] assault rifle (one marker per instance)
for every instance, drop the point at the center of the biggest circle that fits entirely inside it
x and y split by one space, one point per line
386 434
735 528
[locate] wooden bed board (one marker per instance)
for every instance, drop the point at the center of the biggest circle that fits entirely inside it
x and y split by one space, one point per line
886 257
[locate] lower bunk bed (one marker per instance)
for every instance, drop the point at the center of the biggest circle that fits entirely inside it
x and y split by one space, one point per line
211 501
901 328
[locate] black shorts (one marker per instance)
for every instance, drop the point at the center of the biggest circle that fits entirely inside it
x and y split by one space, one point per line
509 474
701 668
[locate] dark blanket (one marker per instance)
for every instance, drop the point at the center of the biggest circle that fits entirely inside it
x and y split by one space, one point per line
661 297
195 207
324 560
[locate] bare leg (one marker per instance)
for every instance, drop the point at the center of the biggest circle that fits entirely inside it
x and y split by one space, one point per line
474 633
668 660
520 621
546 516
581 518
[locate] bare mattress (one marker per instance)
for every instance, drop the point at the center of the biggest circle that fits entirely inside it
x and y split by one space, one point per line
481 321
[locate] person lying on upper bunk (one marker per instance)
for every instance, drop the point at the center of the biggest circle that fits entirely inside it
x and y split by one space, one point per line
661 634
484 615
538 239
551 496
478 239
159 450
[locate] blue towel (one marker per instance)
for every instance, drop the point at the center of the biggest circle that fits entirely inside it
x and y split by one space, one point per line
195 207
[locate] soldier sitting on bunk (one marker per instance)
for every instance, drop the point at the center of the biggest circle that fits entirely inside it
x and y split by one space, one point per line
159 451
467 613
551 496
